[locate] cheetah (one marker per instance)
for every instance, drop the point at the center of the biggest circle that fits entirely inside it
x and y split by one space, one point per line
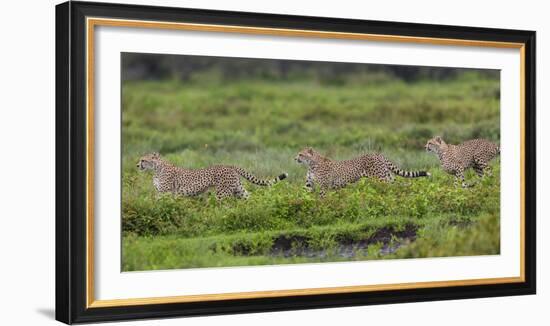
455 159
330 174
191 182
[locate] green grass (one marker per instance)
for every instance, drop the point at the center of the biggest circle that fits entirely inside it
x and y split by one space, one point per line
260 126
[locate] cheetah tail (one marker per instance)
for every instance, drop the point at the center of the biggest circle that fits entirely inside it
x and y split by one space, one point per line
260 182
407 174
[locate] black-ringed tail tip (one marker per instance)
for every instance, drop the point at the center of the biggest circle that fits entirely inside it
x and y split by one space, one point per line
406 174
282 176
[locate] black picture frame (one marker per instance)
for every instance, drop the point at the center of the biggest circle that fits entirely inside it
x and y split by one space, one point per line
71 157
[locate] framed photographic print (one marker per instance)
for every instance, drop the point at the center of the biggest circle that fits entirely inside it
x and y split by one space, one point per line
212 162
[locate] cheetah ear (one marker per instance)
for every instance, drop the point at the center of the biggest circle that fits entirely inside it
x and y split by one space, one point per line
438 139
309 150
155 155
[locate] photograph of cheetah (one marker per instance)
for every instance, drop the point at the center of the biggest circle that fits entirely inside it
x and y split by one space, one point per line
329 174
245 162
455 159
226 180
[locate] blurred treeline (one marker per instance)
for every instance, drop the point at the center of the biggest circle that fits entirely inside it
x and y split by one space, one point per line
140 66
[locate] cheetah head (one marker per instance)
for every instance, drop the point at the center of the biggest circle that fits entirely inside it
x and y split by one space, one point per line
307 156
148 161
435 144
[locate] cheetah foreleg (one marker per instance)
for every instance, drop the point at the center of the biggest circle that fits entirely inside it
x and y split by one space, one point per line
222 194
309 186
459 176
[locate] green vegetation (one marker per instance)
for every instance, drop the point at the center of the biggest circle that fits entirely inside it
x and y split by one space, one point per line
261 124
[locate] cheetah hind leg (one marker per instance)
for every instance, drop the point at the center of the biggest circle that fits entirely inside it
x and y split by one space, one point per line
388 177
221 194
479 171
482 168
240 192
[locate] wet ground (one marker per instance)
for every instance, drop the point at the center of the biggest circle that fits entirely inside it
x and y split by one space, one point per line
391 240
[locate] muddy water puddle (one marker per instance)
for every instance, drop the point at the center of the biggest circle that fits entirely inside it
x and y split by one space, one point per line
390 240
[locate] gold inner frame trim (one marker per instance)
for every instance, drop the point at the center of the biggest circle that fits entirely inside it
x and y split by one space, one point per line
92 22
300 292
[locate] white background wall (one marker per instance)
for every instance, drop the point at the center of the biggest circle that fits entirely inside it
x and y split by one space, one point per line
27 162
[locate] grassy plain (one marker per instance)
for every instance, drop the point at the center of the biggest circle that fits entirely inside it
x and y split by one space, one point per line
260 125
